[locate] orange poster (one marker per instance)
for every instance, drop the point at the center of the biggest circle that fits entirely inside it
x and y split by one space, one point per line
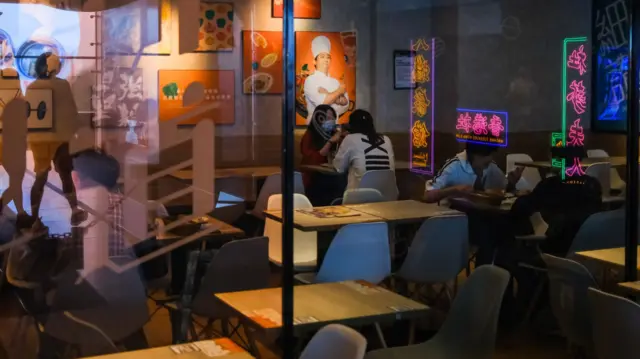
262 62
325 64
302 9
218 88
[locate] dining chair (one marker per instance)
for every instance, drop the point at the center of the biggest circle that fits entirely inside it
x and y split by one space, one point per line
362 195
601 172
335 341
569 282
539 226
617 183
358 252
273 185
237 266
616 325
601 230
438 253
229 208
469 330
530 176
383 181
305 244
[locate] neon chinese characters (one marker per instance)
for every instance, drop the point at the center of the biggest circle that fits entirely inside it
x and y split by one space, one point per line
481 126
422 106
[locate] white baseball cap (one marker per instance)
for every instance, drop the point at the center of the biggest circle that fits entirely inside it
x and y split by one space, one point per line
319 45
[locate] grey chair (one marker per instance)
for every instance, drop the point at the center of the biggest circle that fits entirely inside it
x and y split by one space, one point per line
470 328
601 230
438 253
382 180
335 342
569 282
238 266
362 195
616 325
273 185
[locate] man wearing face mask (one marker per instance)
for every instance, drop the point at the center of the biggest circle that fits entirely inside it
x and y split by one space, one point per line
320 88
319 140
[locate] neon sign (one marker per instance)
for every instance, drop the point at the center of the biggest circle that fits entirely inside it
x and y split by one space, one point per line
574 103
482 126
422 107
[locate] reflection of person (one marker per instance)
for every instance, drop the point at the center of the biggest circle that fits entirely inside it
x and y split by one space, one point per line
319 87
363 149
54 146
319 139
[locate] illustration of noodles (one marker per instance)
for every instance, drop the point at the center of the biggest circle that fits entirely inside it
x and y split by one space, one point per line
420 102
419 134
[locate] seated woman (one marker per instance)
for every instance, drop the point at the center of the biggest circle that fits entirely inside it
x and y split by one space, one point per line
363 149
318 141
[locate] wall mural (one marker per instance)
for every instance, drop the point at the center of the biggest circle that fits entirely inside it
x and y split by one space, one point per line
39 106
325 64
216 27
118 98
262 62
302 9
219 91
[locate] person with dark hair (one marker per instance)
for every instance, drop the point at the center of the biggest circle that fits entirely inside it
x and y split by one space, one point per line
363 149
470 170
320 138
53 146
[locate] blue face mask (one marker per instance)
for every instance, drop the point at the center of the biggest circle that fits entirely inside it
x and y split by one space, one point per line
329 125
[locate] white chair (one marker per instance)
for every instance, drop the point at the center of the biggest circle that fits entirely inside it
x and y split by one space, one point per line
305 250
540 228
335 342
601 171
530 176
617 183
358 252
438 253
362 195
470 328
382 180
273 185
568 285
616 325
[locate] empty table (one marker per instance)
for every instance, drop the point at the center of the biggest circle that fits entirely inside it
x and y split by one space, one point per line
614 257
222 348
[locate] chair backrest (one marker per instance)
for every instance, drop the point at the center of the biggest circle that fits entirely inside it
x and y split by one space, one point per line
358 251
362 195
476 306
616 181
602 172
305 248
615 325
239 265
336 342
382 180
439 251
530 176
114 302
597 153
539 225
568 285
273 185
601 230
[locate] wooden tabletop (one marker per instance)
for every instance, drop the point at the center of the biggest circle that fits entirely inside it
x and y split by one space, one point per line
330 170
617 161
633 287
253 172
352 303
311 223
403 211
224 229
197 350
612 256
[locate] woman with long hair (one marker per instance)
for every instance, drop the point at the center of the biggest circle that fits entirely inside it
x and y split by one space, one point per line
364 149
318 141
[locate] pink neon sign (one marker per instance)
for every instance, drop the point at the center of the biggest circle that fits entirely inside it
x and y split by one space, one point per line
578 96
575 103
578 60
481 126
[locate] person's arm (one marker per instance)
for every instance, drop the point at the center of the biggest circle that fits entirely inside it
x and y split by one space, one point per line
342 107
342 160
442 186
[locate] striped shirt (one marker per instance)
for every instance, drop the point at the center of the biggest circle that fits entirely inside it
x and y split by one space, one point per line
357 155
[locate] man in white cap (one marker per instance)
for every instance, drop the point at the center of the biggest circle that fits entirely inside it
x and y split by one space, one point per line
319 87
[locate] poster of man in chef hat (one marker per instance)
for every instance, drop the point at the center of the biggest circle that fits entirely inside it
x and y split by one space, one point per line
324 74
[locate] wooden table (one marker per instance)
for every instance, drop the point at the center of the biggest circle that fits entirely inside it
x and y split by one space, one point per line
464 204
612 256
353 303
252 172
310 223
224 229
617 161
632 287
403 211
235 352
328 169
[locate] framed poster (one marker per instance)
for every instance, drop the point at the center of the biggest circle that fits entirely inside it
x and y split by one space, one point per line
403 70
482 126
325 63
216 27
219 89
302 9
262 62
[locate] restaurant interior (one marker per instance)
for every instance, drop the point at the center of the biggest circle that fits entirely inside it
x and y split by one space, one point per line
339 179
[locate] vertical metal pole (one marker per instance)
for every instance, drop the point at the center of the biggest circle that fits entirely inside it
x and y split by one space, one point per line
631 230
288 122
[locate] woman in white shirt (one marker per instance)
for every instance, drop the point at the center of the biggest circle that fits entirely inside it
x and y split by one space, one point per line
363 149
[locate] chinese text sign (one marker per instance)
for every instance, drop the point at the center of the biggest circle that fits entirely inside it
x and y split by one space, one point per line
422 107
482 126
